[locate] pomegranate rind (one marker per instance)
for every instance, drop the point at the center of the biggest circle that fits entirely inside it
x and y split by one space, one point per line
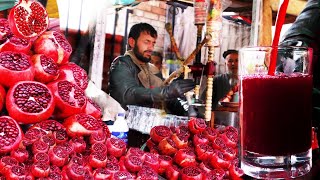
74 74
26 117
11 45
9 126
63 108
13 22
9 77
48 45
2 96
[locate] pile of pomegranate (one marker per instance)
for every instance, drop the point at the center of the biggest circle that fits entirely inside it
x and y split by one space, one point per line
195 151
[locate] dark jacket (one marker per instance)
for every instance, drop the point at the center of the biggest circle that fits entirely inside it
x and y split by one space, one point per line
125 87
305 31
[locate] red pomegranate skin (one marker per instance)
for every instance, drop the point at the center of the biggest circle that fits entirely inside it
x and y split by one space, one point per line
3 95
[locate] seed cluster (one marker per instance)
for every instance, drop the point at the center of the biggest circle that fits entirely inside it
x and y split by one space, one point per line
71 93
32 97
19 41
8 132
62 42
88 122
14 61
48 65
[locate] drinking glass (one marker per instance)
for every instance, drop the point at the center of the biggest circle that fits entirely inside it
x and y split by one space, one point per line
275 112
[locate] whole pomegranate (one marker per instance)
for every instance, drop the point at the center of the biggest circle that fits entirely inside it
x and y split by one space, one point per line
15 67
30 102
28 19
55 45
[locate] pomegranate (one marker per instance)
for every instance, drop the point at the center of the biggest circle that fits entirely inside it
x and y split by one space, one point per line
2 96
137 152
235 173
205 166
105 128
98 159
157 133
6 163
122 175
99 147
93 109
20 154
164 162
112 168
152 160
28 19
55 45
147 173
58 155
185 157
70 99
78 143
30 102
229 153
173 172
5 31
75 172
219 160
218 143
216 174
112 159
41 157
60 136
101 174
191 173
16 44
10 134
210 133
15 67
75 74
81 125
230 137
167 146
116 147
46 70
40 146
16 172
97 137
180 139
203 151
40 169
48 126
200 138
32 135
133 163
196 125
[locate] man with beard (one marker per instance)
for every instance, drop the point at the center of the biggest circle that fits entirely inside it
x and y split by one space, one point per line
135 81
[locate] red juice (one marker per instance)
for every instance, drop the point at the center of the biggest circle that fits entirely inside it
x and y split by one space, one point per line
276 114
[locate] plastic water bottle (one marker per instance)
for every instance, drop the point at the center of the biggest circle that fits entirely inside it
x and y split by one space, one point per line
120 128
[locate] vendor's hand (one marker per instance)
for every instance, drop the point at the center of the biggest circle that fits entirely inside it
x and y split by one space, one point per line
177 88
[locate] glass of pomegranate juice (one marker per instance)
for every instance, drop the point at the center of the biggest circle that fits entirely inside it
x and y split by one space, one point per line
275 112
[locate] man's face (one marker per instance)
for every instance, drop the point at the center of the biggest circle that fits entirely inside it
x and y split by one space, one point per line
232 63
144 46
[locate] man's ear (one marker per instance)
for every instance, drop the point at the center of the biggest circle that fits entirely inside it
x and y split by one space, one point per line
131 42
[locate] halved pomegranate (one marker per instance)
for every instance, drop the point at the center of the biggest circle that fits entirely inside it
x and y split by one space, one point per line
74 74
55 45
216 174
167 147
28 19
10 134
205 166
196 125
6 163
152 160
203 152
191 172
122 175
116 147
185 157
5 31
16 44
48 126
210 133
180 139
147 173
81 125
157 133
98 159
20 154
78 143
133 163
70 99
101 174
16 172
164 162
97 137
137 152
15 67
58 155
30 102
46 70
40 169
173 172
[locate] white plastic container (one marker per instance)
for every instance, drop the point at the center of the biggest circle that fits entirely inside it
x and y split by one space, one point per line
120 128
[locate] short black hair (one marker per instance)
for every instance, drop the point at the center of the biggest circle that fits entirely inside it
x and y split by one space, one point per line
142 27
229 51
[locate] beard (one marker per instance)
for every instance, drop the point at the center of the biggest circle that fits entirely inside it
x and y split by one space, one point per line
140 56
